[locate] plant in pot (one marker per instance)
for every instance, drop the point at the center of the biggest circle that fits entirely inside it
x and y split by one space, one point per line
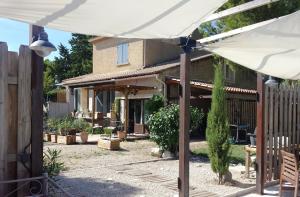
107 142
84 128
67 134
164 128
52 129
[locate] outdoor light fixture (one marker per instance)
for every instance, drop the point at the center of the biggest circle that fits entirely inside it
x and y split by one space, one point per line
271 82
42 47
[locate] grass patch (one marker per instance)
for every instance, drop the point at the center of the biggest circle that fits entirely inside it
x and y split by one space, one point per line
237 153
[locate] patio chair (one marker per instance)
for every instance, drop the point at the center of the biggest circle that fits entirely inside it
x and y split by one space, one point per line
289 171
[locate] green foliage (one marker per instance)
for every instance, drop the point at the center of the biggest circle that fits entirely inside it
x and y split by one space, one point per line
217 130
71 62
108 131
89 130
51 162
80 125
154 104
164 126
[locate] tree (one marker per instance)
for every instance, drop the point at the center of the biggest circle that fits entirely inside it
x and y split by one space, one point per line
71 62
217 130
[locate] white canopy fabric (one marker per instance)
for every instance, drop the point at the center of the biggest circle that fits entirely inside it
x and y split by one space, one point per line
273 49
114 18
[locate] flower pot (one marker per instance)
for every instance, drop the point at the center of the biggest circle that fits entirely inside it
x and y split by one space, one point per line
84 136
110 144
66 139
121 135
47 137
53 138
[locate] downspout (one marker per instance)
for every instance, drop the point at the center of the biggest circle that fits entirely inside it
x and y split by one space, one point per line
164 87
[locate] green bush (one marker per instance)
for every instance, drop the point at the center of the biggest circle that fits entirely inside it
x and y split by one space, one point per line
217 130
51 162
53 124
108 131
80 125
164 126
154 104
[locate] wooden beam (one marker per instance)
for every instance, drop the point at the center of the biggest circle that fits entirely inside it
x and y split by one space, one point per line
260 142
234 32
126 124
37 66
94 107
184 123
238 9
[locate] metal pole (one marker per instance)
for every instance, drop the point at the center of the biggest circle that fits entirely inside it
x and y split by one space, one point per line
45 184
37 106
184 123
260 136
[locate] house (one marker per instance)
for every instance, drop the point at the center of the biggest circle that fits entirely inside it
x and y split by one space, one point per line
130 71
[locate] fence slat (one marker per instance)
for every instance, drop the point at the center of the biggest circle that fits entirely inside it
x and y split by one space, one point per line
271 139
24 106
3 110
276 160
294 119
290 120
266 129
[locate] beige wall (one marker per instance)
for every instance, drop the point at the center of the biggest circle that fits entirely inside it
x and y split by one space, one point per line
158 51
84 100
105 55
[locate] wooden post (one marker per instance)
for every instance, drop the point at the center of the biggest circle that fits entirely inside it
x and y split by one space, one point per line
3 113
37 66
94 107
126 125
45 184
184 123
260 136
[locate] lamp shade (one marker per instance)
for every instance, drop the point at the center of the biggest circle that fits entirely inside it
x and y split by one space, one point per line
42 46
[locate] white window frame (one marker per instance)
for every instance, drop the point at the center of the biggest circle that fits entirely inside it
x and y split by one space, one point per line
122 53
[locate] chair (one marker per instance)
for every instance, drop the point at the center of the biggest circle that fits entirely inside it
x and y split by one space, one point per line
289 171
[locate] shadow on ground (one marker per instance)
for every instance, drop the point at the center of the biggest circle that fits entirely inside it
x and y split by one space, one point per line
96 187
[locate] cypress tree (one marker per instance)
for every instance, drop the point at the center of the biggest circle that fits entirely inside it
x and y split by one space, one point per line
217 130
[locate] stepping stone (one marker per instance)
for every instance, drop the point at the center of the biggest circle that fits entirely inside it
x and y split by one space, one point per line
174 186
197 193
119 168
137 172
155 179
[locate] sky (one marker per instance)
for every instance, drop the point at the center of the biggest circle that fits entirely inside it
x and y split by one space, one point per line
16 33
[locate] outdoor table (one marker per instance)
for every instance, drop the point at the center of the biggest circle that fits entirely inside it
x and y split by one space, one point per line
248 151
238 129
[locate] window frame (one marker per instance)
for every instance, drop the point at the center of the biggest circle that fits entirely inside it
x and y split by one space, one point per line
122 54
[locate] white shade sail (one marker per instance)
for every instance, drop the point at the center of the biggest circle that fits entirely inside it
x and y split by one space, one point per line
273 49
114 18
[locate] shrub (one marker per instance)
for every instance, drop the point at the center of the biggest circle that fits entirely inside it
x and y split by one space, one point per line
164 126
51 164
154 104
217 130
80 125
53 124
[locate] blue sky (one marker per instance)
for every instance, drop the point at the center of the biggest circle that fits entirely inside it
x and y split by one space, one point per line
16 33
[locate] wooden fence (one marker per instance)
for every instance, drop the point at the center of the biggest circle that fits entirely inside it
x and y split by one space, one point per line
242 112
15 114
281 126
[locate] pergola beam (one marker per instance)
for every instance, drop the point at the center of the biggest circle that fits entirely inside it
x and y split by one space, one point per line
238 9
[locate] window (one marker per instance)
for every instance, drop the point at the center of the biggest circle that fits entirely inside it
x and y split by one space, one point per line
77 103
229 74
122 54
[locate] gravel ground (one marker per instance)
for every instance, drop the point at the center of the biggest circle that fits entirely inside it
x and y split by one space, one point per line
91 171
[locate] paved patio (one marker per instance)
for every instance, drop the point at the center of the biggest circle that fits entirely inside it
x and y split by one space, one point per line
273 191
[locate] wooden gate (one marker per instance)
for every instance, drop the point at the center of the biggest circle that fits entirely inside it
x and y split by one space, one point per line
15 115
281 126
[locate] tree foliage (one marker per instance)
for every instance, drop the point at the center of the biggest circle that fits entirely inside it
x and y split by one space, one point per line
164 126
217 130
71 62
154 104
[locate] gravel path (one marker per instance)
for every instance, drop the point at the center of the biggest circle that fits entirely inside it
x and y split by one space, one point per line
92 171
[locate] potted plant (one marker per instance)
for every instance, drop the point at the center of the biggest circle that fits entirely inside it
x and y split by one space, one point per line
67 133
52 128
84 128
84 134
107 142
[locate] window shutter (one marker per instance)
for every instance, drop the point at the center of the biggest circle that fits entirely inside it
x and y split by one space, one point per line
119 54
125 53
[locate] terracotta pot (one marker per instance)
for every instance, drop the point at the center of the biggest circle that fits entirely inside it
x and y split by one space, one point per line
121 135
47 137
84 136
53 138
